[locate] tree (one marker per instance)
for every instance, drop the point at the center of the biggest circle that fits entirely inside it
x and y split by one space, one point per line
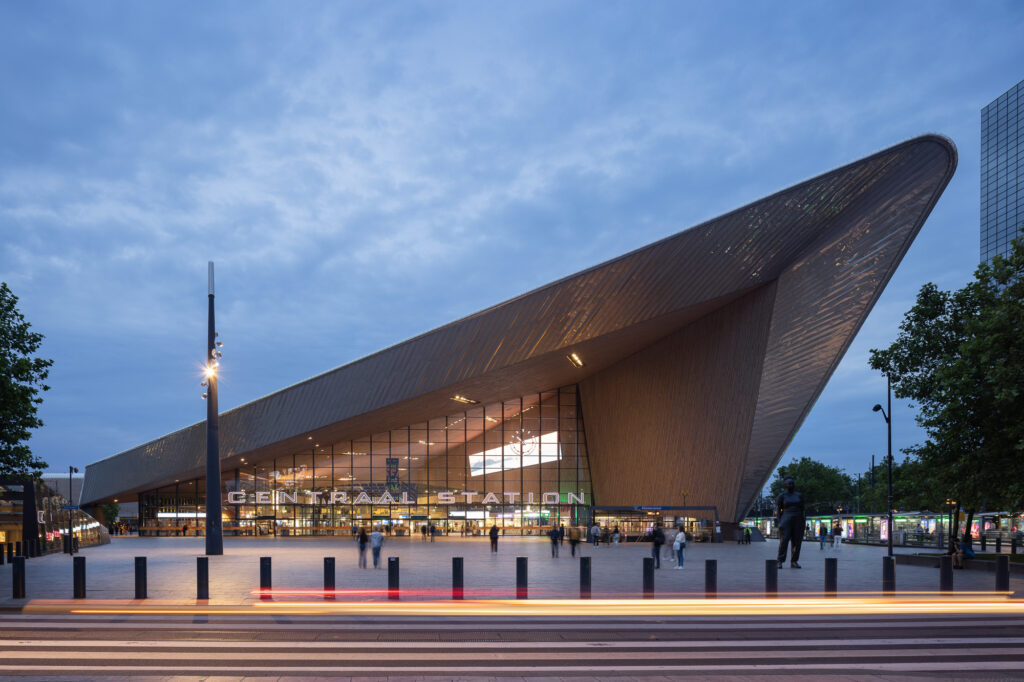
960 357
21 381
109 512
913 488
825 488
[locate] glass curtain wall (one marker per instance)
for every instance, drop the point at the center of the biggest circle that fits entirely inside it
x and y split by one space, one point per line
520 464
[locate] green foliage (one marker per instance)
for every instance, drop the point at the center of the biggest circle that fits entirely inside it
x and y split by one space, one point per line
21 380
825 488
110 512
960 357
913 488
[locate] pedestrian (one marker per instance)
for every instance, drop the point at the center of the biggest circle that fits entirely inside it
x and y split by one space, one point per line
822 535
561 534
574 538
837 536
376 542
670 538
494 538
679 545
595 534
746 535
362 539
432 531
423 532
657 540
616 536
553 534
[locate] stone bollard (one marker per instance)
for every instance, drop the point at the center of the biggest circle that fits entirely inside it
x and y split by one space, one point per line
202 577
771 578
329 575
392 577
458 584
1002 574
889 576
710 578
648 577
946 573
521 589
140 578
18 577
831 577
79 574
265 578
584 577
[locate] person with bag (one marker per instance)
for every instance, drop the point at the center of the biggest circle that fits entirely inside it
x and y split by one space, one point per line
657 540
679 545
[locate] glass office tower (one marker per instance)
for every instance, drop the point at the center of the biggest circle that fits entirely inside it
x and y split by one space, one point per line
1002 156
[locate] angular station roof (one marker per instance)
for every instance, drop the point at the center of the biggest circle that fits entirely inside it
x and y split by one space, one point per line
827 246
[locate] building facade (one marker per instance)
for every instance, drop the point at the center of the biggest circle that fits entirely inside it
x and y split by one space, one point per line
1002 172
663 385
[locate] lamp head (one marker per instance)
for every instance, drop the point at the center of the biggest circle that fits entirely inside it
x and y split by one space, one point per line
876 408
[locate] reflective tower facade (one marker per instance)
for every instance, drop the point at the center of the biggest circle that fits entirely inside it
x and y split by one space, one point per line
1002 157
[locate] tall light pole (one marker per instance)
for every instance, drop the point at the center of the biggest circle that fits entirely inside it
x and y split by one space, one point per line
71 513
214 535
887 414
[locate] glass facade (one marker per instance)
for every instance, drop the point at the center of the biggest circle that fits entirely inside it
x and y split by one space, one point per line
1002 158
520 464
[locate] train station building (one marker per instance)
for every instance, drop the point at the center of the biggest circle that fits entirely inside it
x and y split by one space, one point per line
663 384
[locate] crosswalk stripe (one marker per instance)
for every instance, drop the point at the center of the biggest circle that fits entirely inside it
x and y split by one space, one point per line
13 644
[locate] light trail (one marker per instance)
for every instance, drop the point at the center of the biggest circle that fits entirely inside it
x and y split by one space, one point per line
925 603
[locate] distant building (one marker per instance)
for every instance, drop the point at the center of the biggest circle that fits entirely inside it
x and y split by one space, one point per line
1002 185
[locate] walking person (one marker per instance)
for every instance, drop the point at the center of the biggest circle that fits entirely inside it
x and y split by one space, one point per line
670 539
822 535
561 534
616 536
595 534
376 543
574 538
657 540
679 545
423 532
362 539
553 534
837 536
494 538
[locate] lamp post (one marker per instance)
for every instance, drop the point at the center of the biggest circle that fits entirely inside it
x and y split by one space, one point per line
887 415
214 536
71 516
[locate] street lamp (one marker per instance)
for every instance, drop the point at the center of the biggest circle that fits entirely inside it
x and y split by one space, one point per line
887 415
214 536
71 500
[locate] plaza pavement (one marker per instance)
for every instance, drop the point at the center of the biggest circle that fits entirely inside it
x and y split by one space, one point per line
426 570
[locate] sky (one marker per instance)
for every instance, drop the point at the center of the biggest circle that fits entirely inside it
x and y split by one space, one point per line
364 172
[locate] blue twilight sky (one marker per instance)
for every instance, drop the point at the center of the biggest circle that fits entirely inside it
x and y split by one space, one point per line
365 172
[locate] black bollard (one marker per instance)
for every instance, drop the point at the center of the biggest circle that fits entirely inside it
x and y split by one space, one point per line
982 538
771 578
1002 574
329 584
2 554
584 577
79 571
265 582
140 578
710 578
10 552
458 585
831 577
888 575
17 549
1013 545
392 577
946 573
521 591
202 577
648 577
999 544
18 577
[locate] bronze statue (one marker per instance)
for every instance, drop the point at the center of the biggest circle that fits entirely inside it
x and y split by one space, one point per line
789 517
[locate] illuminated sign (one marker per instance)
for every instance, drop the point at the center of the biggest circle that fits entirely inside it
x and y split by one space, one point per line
343 497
